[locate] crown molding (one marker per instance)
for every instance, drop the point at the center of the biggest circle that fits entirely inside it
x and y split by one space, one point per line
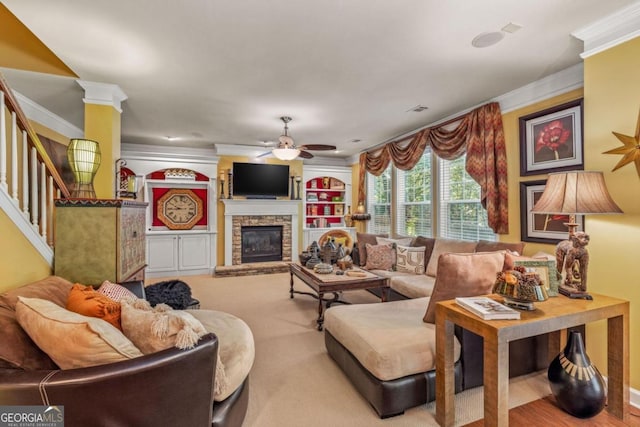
610 31
556 84
102 94
38 113
172 153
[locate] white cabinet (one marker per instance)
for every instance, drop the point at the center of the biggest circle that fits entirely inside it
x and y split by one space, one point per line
173 254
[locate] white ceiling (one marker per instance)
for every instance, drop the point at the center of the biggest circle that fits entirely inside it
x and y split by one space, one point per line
223 72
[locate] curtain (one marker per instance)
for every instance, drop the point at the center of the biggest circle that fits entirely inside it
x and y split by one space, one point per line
479 133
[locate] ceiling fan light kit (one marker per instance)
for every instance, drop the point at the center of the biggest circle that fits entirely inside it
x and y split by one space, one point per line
287 149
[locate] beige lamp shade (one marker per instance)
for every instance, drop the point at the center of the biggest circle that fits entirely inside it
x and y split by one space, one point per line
577 193
84 159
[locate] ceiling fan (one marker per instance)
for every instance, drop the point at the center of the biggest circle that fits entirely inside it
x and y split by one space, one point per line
287 150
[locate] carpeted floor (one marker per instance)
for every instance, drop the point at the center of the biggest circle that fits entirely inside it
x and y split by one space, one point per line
294 382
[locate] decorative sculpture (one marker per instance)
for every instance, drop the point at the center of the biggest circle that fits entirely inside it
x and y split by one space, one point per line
572 257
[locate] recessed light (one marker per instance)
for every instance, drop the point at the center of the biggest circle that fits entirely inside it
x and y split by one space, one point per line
487 39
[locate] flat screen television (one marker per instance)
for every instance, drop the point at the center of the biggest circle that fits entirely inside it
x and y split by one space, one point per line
259 180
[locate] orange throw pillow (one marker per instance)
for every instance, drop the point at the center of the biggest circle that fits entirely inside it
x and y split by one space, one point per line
87 301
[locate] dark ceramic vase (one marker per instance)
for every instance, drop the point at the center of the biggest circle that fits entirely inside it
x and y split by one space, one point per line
576 384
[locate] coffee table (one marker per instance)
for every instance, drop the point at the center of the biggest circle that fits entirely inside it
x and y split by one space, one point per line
332 283
553 316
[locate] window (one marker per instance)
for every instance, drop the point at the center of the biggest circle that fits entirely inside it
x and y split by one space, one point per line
379 202
461 213
413 202
413 194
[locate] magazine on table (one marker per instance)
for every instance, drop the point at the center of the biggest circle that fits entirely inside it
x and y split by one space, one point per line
487 308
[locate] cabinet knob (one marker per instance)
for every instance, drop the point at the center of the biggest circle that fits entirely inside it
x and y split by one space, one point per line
135 234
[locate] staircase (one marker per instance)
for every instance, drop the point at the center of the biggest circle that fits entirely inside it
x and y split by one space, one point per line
29 182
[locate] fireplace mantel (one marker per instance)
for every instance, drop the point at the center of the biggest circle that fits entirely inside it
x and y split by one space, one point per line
258 207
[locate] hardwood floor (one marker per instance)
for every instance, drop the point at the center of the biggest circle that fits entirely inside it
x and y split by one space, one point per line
545 412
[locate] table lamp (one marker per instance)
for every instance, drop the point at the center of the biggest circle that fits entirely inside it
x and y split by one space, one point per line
575 193
84 159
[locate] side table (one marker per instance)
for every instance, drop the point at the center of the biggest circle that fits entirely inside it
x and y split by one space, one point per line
553 316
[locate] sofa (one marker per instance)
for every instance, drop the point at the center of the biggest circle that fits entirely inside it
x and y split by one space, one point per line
387 350
172 386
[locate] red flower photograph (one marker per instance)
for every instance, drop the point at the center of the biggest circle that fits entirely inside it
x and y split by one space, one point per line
551 140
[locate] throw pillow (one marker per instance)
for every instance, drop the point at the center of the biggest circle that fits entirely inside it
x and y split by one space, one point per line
410 259
52 288
160 327
443 246
87 301
427 243
362 240
405 241
463 275
71 339
379 257
115 291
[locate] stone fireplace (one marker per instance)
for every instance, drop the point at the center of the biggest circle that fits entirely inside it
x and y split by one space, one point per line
243 213
260 243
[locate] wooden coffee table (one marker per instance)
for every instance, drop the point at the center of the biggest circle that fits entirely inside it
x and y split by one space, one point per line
332 283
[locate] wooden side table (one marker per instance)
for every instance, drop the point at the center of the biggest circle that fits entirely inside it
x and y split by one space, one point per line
553 316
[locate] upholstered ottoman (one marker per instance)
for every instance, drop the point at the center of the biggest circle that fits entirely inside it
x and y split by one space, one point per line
387 351
237 353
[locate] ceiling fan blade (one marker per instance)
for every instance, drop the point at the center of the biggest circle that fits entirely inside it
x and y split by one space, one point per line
266 153
317 147
305 154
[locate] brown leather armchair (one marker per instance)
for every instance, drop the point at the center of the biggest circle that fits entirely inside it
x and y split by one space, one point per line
166 388
170 387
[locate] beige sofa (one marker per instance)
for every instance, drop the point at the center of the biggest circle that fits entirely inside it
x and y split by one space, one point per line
388 350
417 280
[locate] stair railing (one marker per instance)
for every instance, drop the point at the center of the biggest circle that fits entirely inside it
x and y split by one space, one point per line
28 179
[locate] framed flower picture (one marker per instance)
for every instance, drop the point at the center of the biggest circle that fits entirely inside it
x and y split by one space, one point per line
551 140
541 228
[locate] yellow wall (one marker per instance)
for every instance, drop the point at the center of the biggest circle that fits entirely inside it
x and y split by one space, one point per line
20 262
21 49
510 122
612 101
224 164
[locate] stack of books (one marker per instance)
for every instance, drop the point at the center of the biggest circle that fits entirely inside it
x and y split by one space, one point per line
487 308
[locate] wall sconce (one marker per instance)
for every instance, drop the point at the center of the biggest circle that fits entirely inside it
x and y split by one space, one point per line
222 179
84 159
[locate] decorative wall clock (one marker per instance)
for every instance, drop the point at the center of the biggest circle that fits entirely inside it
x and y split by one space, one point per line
179 209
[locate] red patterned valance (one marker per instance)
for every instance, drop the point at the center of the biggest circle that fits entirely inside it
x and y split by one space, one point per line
478 133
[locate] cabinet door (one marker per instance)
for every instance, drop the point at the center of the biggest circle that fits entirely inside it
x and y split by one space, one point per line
194 252
131 247
162 253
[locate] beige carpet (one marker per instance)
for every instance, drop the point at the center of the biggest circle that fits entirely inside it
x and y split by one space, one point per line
294 382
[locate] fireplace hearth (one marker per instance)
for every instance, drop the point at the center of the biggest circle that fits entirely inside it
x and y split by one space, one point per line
261 243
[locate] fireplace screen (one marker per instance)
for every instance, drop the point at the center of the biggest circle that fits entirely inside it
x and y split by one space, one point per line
261 243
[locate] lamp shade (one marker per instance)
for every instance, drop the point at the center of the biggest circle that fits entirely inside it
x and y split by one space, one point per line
84 159
576 192
286 153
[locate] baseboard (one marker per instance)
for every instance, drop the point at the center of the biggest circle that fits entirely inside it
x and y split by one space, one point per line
634 398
